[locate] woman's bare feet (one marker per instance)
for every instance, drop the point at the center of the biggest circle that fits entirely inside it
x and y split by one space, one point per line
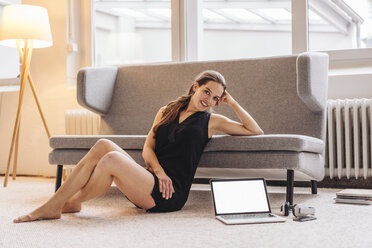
71 207
42 213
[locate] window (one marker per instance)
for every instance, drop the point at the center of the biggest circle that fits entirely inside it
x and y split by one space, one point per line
245 29
336 25
132 32
138 31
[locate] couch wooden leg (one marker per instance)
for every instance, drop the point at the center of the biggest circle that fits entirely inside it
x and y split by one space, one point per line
314 187
289 198
59 176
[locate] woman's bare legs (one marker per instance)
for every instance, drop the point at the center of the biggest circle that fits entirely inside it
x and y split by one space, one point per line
78 179
72 205
125 173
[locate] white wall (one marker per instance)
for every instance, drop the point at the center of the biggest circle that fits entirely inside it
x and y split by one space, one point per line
350 86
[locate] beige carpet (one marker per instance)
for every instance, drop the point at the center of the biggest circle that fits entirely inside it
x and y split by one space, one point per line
112 221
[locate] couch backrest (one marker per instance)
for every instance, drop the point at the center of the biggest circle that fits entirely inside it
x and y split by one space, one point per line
266 88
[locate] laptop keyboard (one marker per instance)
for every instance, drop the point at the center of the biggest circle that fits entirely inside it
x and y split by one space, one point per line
247 216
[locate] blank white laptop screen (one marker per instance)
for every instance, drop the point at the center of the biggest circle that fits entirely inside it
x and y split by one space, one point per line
243 196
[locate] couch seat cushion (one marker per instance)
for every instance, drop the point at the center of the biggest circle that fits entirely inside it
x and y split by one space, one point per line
131 142
271 142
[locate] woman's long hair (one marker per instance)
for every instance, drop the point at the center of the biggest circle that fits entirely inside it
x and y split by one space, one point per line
173 108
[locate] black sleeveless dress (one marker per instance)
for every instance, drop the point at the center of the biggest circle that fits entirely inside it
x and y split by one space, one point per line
178 148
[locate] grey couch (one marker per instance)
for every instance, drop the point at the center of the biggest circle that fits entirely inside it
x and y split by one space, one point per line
286 95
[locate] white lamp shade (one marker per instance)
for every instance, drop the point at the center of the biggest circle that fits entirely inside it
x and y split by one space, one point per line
21 22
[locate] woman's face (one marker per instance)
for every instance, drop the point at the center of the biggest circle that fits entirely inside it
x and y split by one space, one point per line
207 95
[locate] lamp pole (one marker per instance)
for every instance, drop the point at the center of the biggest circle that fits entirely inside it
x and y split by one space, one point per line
30 81
25 56
26 59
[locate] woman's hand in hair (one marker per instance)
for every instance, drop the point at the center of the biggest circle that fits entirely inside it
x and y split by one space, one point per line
165 185
227 99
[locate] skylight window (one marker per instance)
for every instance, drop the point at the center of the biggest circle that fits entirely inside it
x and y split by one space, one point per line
241 14
277 13
139 16
212 16
314 18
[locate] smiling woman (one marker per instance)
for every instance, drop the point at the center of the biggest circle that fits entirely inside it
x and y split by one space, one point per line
180 132
211 78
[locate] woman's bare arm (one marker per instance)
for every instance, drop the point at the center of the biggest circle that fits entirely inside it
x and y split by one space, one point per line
148 152
152 162
248 125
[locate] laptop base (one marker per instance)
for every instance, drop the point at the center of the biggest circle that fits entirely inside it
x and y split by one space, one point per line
275 219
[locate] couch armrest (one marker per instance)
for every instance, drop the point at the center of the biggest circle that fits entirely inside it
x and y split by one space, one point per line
95 87
312 79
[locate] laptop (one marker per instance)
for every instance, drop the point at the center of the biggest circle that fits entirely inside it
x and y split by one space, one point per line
242 201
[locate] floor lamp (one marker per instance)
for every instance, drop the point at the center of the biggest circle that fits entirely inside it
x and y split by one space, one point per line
25 27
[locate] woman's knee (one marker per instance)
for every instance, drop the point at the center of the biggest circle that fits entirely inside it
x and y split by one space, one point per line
101 147
102 144
113 160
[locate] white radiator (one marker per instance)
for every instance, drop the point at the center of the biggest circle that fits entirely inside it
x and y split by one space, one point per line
81 122
348 146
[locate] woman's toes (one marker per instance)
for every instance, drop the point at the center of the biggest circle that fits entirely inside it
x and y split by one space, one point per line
24 218
38 214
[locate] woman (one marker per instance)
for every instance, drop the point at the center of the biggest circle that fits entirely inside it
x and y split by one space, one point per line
171 152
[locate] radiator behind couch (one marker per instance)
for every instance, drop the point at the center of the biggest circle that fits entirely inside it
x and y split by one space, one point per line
348 145
348 148
81 122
